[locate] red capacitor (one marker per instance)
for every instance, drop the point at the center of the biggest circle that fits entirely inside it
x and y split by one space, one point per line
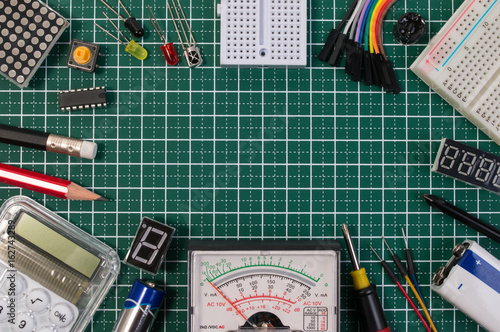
170 54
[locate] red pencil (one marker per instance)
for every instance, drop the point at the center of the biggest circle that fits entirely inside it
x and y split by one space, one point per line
45 184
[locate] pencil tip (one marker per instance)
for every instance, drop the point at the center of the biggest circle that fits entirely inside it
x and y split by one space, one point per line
102 199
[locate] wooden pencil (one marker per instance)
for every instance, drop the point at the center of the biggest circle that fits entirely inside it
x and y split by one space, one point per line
47 142
45 184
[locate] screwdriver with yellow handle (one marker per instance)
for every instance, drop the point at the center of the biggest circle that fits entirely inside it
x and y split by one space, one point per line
367 300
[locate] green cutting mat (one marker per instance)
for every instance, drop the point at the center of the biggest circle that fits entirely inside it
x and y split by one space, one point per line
253 154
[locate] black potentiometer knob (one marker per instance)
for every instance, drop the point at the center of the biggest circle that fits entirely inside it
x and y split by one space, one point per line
409 28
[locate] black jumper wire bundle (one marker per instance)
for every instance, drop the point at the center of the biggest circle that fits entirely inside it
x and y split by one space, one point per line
364 47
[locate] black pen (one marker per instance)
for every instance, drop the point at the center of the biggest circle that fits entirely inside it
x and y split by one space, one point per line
462 216
47 142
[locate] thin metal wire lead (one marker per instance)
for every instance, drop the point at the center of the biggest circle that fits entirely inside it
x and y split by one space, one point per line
157 26
121 33
175 25
186 21
371 248
114 11
180 23
404 237
387 244
109 33
125 9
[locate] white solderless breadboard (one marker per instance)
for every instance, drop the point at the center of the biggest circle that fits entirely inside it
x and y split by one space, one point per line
263 32
461 63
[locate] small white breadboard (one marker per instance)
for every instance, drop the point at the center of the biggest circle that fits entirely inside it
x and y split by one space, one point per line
461 63
263 32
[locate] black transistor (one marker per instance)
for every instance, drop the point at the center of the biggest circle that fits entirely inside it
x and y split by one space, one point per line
82 98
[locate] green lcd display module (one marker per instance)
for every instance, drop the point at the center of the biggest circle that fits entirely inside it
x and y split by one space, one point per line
56 245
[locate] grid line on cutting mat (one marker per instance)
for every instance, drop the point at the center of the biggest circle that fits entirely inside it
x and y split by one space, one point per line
260 153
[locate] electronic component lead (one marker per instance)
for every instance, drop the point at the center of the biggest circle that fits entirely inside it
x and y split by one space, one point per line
132 47
168 49
191 52
130 23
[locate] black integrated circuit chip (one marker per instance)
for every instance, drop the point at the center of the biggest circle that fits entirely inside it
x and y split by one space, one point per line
28 31
82 98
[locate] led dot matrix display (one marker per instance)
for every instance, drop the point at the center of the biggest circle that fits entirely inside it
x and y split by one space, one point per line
28 31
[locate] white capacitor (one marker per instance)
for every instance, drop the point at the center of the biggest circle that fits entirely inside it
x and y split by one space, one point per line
471 282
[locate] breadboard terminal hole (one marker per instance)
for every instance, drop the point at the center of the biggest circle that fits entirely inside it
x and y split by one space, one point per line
488 109
268 33
285 35
479 61
464 66
241 29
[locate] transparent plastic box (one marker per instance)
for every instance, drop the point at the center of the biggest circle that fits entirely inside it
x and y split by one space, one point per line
53 275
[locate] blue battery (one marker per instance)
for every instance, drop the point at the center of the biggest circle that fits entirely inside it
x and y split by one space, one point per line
141 307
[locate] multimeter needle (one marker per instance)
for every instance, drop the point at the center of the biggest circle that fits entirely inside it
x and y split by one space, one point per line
225 298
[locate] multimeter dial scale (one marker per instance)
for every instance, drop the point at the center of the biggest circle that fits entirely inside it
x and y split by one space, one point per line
247 285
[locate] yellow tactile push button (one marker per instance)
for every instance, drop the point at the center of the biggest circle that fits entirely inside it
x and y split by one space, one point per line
82 55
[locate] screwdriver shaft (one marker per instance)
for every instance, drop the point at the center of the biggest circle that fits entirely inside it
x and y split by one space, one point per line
350 247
